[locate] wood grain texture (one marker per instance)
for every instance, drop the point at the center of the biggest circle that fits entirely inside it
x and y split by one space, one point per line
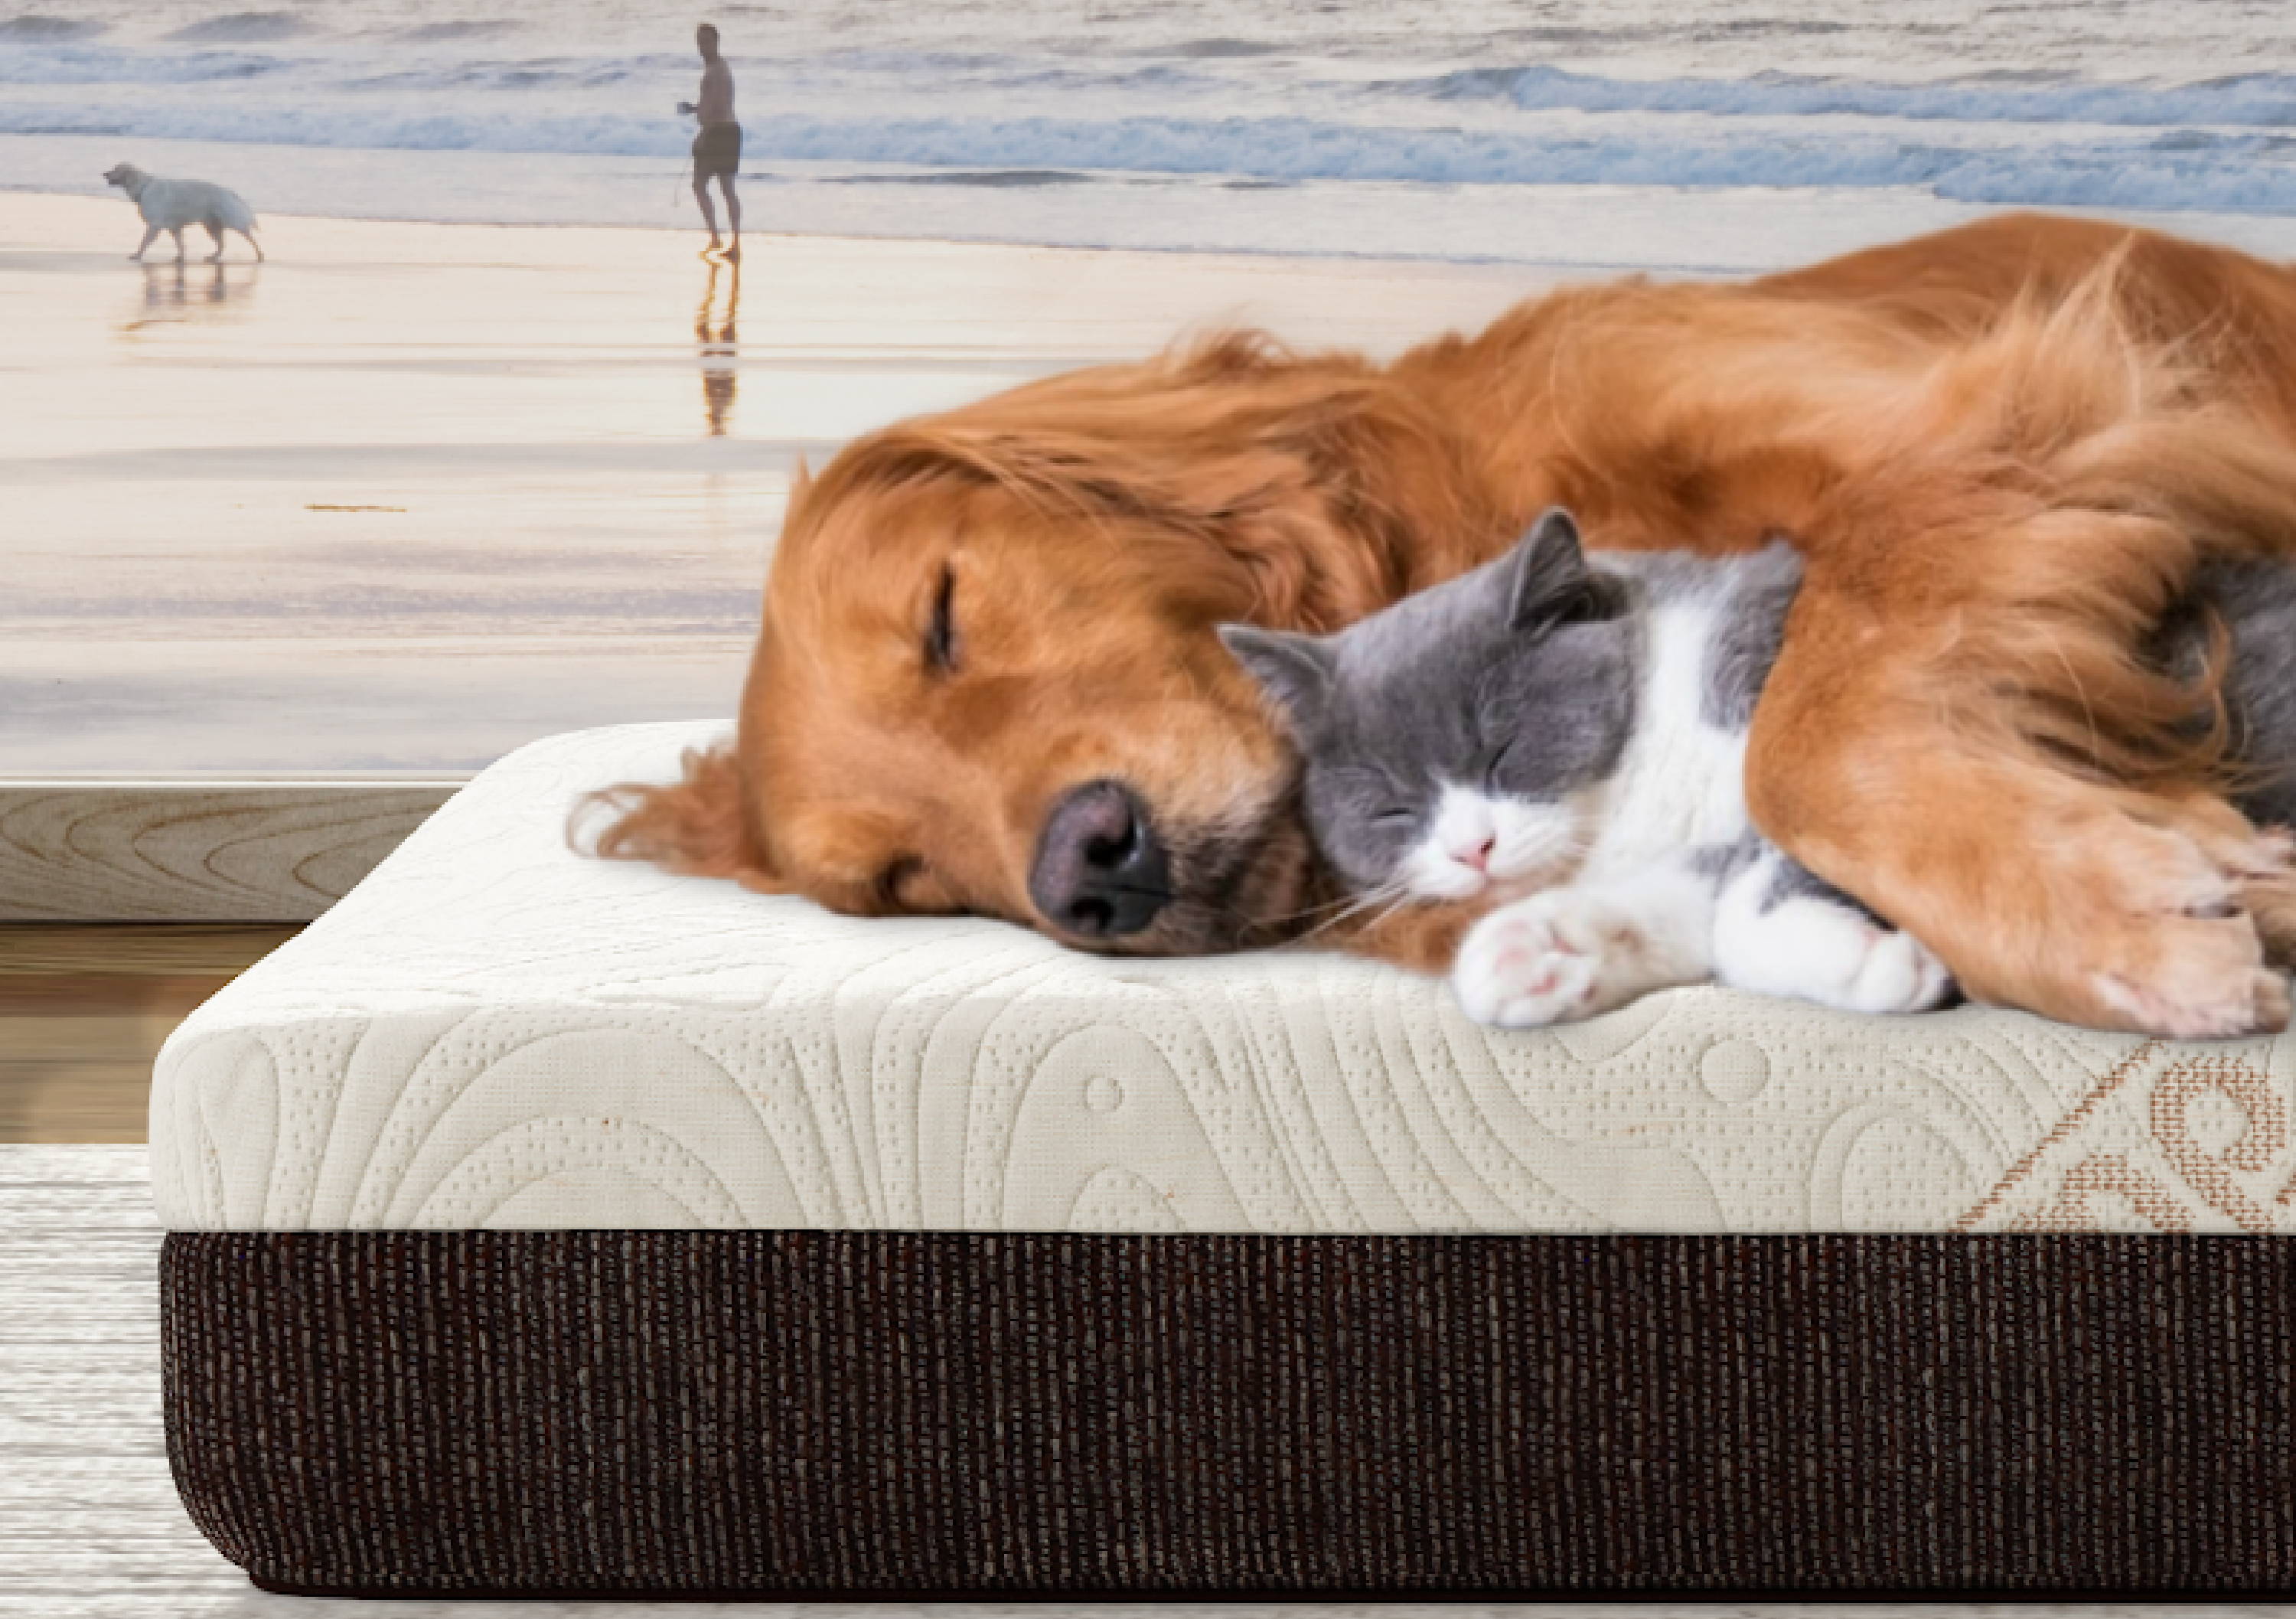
84 1010
129 950
162 852
89 1522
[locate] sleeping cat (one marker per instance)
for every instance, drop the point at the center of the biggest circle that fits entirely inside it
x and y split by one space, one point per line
1581 729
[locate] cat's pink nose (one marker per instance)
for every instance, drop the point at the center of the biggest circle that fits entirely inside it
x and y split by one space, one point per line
1479 857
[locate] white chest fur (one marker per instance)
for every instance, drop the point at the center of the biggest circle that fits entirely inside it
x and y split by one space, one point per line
1681 780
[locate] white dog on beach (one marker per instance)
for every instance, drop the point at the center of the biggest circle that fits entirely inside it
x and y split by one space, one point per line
170 205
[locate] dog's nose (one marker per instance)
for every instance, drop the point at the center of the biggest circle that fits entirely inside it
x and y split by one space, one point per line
1100 872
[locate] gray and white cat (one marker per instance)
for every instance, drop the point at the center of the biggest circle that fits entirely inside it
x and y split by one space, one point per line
1540 720
1581 728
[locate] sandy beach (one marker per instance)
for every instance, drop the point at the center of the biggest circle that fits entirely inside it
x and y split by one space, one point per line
407 496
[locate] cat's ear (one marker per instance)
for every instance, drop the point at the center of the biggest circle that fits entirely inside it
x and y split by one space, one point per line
1547 579
1294 671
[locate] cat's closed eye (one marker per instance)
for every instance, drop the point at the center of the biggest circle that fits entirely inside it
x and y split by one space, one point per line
1497 758
1395 817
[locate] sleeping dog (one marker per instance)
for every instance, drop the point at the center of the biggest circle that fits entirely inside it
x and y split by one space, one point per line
170 205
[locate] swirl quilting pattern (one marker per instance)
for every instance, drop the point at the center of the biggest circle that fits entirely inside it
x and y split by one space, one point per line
496 1031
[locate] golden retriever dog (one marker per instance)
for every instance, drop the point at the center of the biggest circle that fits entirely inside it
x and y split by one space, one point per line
987 678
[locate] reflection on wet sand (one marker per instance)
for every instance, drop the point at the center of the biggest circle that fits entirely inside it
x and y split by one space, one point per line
200 570
173 293
713 331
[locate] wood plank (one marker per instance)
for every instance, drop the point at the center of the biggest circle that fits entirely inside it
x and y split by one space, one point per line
181 851
129 950
84 1010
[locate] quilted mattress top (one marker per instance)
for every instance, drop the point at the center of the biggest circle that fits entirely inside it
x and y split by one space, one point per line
495 1031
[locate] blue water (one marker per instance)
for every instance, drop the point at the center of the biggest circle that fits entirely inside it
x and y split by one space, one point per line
1383 124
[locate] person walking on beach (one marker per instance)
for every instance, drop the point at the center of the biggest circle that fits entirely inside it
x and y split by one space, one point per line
718 148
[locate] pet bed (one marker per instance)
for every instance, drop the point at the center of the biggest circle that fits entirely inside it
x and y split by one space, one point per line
540 1225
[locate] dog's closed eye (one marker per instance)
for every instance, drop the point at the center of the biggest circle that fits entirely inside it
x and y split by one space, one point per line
940 632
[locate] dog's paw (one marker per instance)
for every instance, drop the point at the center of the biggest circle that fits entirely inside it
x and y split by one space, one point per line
1547 959
2171 942
2253 1002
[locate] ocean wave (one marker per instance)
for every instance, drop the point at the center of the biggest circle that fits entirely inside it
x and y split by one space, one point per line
995 180
39 29
441 33
1216 49
2186 172
243 28
325 69
97 66
2231 173
2255 99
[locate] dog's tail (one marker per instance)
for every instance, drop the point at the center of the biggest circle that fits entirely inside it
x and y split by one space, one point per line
236 213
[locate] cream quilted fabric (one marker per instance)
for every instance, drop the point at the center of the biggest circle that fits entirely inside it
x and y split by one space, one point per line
494 1031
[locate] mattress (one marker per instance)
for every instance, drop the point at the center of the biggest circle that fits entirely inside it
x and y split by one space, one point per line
496 1032
547 1227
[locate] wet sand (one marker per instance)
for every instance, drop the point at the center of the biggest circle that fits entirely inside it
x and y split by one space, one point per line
406 495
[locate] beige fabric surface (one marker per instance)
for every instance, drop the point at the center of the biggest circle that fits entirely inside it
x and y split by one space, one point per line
495 1031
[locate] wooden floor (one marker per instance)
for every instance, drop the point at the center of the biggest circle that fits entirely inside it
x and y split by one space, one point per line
84 1009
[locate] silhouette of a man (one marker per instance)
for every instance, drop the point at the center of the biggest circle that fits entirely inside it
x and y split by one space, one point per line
718 148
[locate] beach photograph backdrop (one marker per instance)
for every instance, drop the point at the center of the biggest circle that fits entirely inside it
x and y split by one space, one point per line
483 452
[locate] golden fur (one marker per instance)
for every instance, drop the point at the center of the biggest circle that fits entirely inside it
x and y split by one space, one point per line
2000 448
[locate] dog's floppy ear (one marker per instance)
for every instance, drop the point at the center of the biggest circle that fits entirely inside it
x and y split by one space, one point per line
698 824
1547 579
1294 671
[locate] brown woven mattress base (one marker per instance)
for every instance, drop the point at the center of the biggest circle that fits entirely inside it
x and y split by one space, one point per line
856 1414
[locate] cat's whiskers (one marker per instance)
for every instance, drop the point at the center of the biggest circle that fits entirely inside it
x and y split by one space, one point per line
1393 906
1270 930
1340 904
1391 893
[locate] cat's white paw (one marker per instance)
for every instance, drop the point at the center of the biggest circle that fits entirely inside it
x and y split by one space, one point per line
1838 957
1542 960
1899 973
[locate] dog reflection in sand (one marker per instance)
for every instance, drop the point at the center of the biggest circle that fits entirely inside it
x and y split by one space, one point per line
173 294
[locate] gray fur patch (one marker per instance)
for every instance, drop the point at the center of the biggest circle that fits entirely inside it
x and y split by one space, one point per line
1794 881
1722 862
1753 625
2256 603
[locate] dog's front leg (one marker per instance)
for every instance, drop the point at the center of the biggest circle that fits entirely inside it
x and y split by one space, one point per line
1900 751
151 234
